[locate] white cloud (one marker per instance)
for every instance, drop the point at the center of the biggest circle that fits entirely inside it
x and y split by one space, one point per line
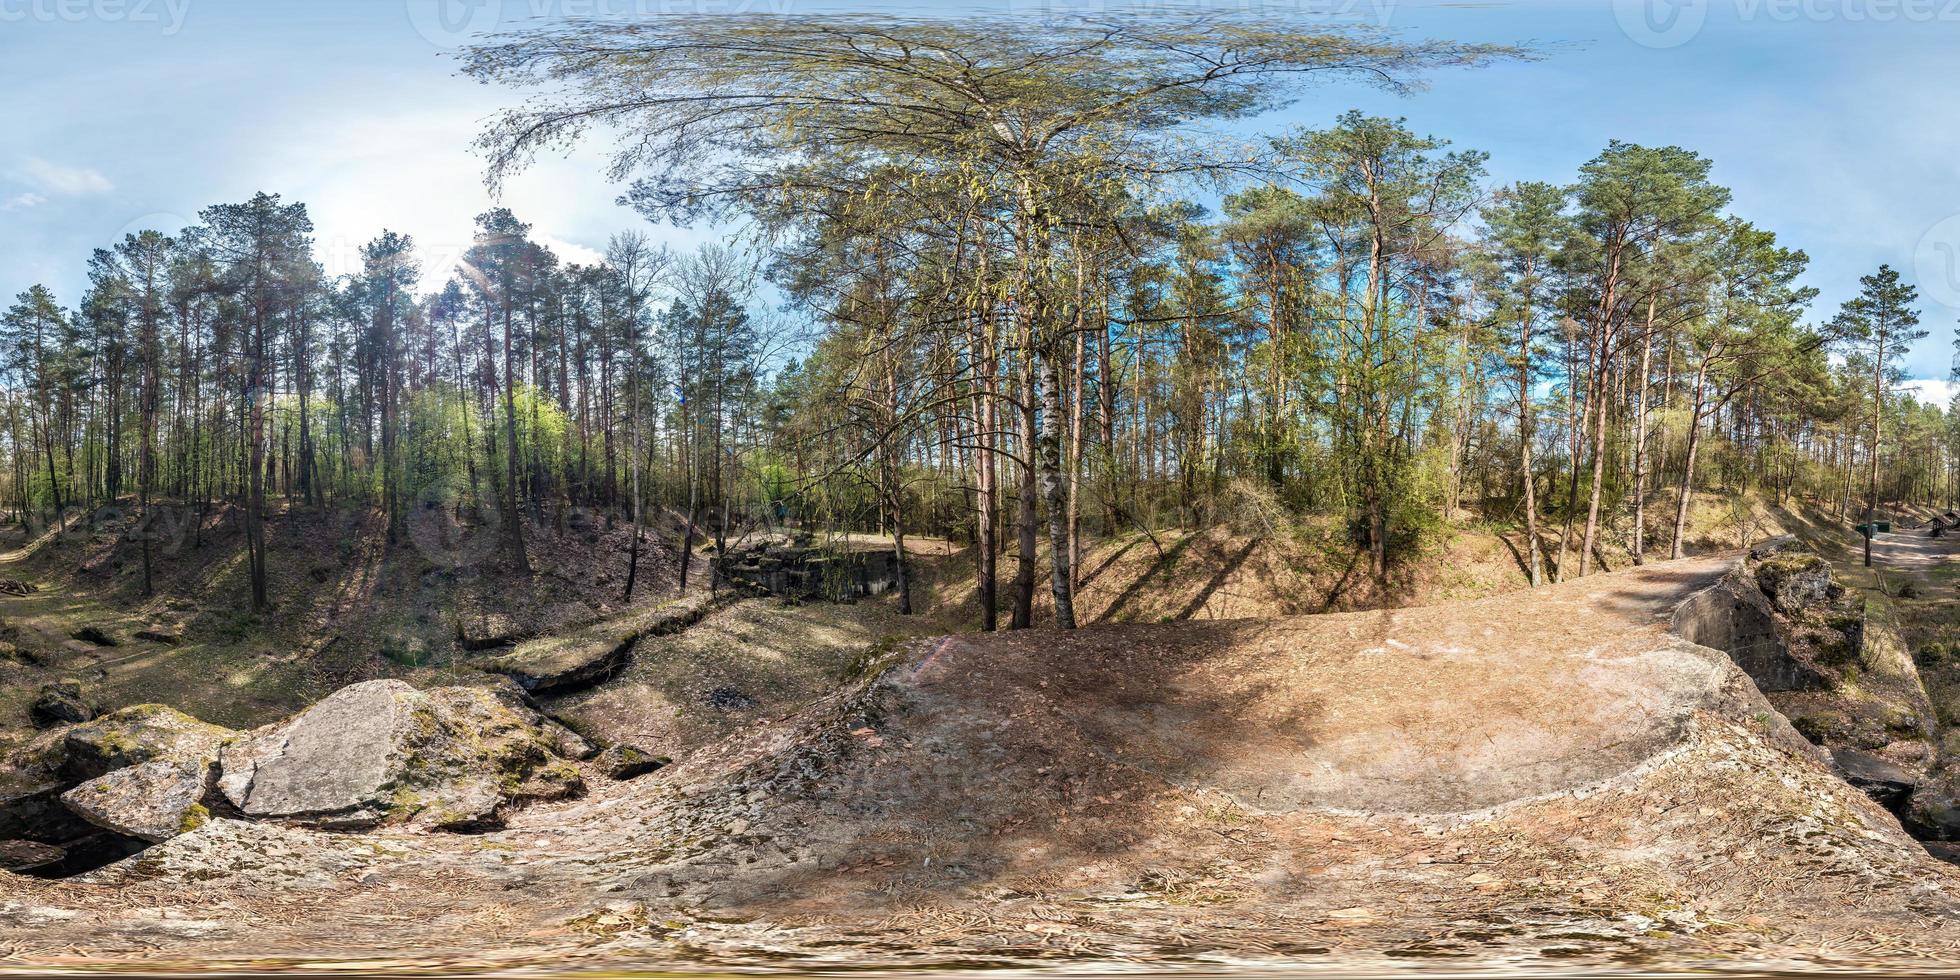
23 201
1932 391
65 181
570 253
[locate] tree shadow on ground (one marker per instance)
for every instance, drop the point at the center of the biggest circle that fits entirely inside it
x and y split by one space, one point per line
1162 565
1225 571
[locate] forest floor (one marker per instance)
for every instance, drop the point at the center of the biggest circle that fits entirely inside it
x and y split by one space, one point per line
352 606
1216 773
1546 778
348 605
1266 565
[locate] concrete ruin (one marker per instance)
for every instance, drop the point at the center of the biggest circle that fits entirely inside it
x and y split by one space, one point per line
803 570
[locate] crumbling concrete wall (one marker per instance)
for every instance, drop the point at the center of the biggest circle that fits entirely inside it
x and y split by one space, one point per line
808 572
1808 646
1735 617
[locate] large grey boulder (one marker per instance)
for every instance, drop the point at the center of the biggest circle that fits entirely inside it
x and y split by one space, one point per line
79 780
383 752
145 771
154 801
135 735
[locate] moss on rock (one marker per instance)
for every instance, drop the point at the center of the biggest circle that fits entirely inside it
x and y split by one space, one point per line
383 752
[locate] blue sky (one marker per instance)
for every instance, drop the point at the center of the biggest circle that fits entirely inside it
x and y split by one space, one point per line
1834 121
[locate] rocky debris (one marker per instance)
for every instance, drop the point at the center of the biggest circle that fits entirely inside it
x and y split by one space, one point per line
728 699
154 801
555 665
95 635
1886 782
383 752
21 856
488 630
61 703
74 787
454 758
1846 683
136 735
1796 581
626 762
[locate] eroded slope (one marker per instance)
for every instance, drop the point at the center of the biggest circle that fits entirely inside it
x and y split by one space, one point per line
1549 773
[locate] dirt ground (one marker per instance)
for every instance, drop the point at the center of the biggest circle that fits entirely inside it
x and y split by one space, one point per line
1548 778
1525 780
349 606
752 662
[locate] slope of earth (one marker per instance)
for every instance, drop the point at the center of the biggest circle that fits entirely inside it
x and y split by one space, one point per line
348 605
1268 563
1551 776
750 662
1179 574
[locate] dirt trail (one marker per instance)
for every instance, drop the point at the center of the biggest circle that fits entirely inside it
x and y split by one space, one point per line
29 548
1914 551
1551 774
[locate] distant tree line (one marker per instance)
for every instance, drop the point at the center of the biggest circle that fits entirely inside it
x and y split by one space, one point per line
223 365
1022 328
